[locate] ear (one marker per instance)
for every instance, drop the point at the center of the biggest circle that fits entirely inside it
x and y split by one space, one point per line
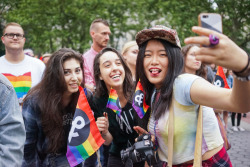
92 33
2 38
100 77
124 56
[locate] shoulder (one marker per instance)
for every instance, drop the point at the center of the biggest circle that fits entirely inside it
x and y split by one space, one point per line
182 86
6 91
5 82
35 60
87 54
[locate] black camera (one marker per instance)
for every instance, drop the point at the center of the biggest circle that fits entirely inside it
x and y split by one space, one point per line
142 150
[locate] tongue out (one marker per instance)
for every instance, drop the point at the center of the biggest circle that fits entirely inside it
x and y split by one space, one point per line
155 71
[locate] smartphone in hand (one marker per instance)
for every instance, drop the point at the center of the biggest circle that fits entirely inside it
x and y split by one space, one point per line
211 21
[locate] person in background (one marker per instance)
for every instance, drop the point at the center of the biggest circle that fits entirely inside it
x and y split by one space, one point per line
49 108
22 71
12 132
46 57
29 52
129 53
99 32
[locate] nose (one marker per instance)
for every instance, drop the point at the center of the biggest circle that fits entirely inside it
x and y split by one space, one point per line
74 77
154 59
107 37
15 36
114 67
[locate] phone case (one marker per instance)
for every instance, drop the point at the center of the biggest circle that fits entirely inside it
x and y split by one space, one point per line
211 21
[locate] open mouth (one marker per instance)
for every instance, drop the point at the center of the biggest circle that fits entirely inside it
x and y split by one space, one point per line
155 70
115 76
74 85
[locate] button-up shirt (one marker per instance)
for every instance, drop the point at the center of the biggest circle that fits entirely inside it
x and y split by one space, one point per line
88 64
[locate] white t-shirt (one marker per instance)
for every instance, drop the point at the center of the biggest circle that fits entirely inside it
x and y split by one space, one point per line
185 125
23 75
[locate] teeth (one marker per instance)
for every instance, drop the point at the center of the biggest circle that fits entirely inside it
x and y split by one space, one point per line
155 70
115 76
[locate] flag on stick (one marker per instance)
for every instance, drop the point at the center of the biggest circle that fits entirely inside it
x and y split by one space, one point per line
113 102
84 136
139 103
220 78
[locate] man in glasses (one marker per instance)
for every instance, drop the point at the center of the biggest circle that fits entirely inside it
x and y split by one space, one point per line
22 71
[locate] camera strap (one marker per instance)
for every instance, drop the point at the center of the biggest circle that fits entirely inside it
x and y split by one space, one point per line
198 141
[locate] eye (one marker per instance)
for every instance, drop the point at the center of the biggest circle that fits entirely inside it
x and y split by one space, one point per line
107 65
163 55
66 72
78 70
147 55
118 62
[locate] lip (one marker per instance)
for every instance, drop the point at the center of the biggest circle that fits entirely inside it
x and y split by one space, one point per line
154 71
74 85
117 78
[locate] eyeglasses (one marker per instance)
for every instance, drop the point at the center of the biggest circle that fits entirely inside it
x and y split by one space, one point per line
12 35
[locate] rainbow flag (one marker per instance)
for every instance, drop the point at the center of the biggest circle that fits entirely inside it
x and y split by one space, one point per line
21 83
220 78
113 102
139 103
84 136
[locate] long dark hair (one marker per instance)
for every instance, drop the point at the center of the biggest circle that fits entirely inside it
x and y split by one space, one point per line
175 67
49 93
101 88
202 71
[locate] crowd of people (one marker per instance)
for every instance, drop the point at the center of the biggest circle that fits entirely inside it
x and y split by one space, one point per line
39 98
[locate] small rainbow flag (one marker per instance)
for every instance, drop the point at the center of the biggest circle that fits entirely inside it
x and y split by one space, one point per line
113 102
139 103
220 78
84 136
21 83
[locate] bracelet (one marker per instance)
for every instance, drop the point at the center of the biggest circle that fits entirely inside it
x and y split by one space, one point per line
243 75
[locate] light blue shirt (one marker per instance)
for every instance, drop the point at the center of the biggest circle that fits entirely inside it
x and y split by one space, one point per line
12 132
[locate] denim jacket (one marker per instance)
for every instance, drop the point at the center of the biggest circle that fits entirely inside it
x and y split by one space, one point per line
35 148
12 132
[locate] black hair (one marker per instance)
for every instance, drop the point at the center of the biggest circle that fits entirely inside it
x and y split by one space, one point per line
175 67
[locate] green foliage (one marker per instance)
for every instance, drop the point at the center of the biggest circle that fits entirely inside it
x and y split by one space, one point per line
53 24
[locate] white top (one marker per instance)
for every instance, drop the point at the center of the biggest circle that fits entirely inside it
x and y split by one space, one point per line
185 124
23 75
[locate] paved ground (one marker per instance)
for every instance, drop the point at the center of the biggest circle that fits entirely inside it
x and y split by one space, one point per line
240 142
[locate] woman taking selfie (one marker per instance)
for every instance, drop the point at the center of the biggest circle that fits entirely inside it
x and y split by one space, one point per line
49 108
110 71
159 67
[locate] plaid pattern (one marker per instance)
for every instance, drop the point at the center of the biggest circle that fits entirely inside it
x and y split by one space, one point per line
221 159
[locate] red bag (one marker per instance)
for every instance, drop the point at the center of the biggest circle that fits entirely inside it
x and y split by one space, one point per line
223 132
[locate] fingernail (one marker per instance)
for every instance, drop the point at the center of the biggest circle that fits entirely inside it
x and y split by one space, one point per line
195 28
186 40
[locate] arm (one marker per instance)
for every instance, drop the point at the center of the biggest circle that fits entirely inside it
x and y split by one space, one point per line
30 151
204 93
226 54
12 132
